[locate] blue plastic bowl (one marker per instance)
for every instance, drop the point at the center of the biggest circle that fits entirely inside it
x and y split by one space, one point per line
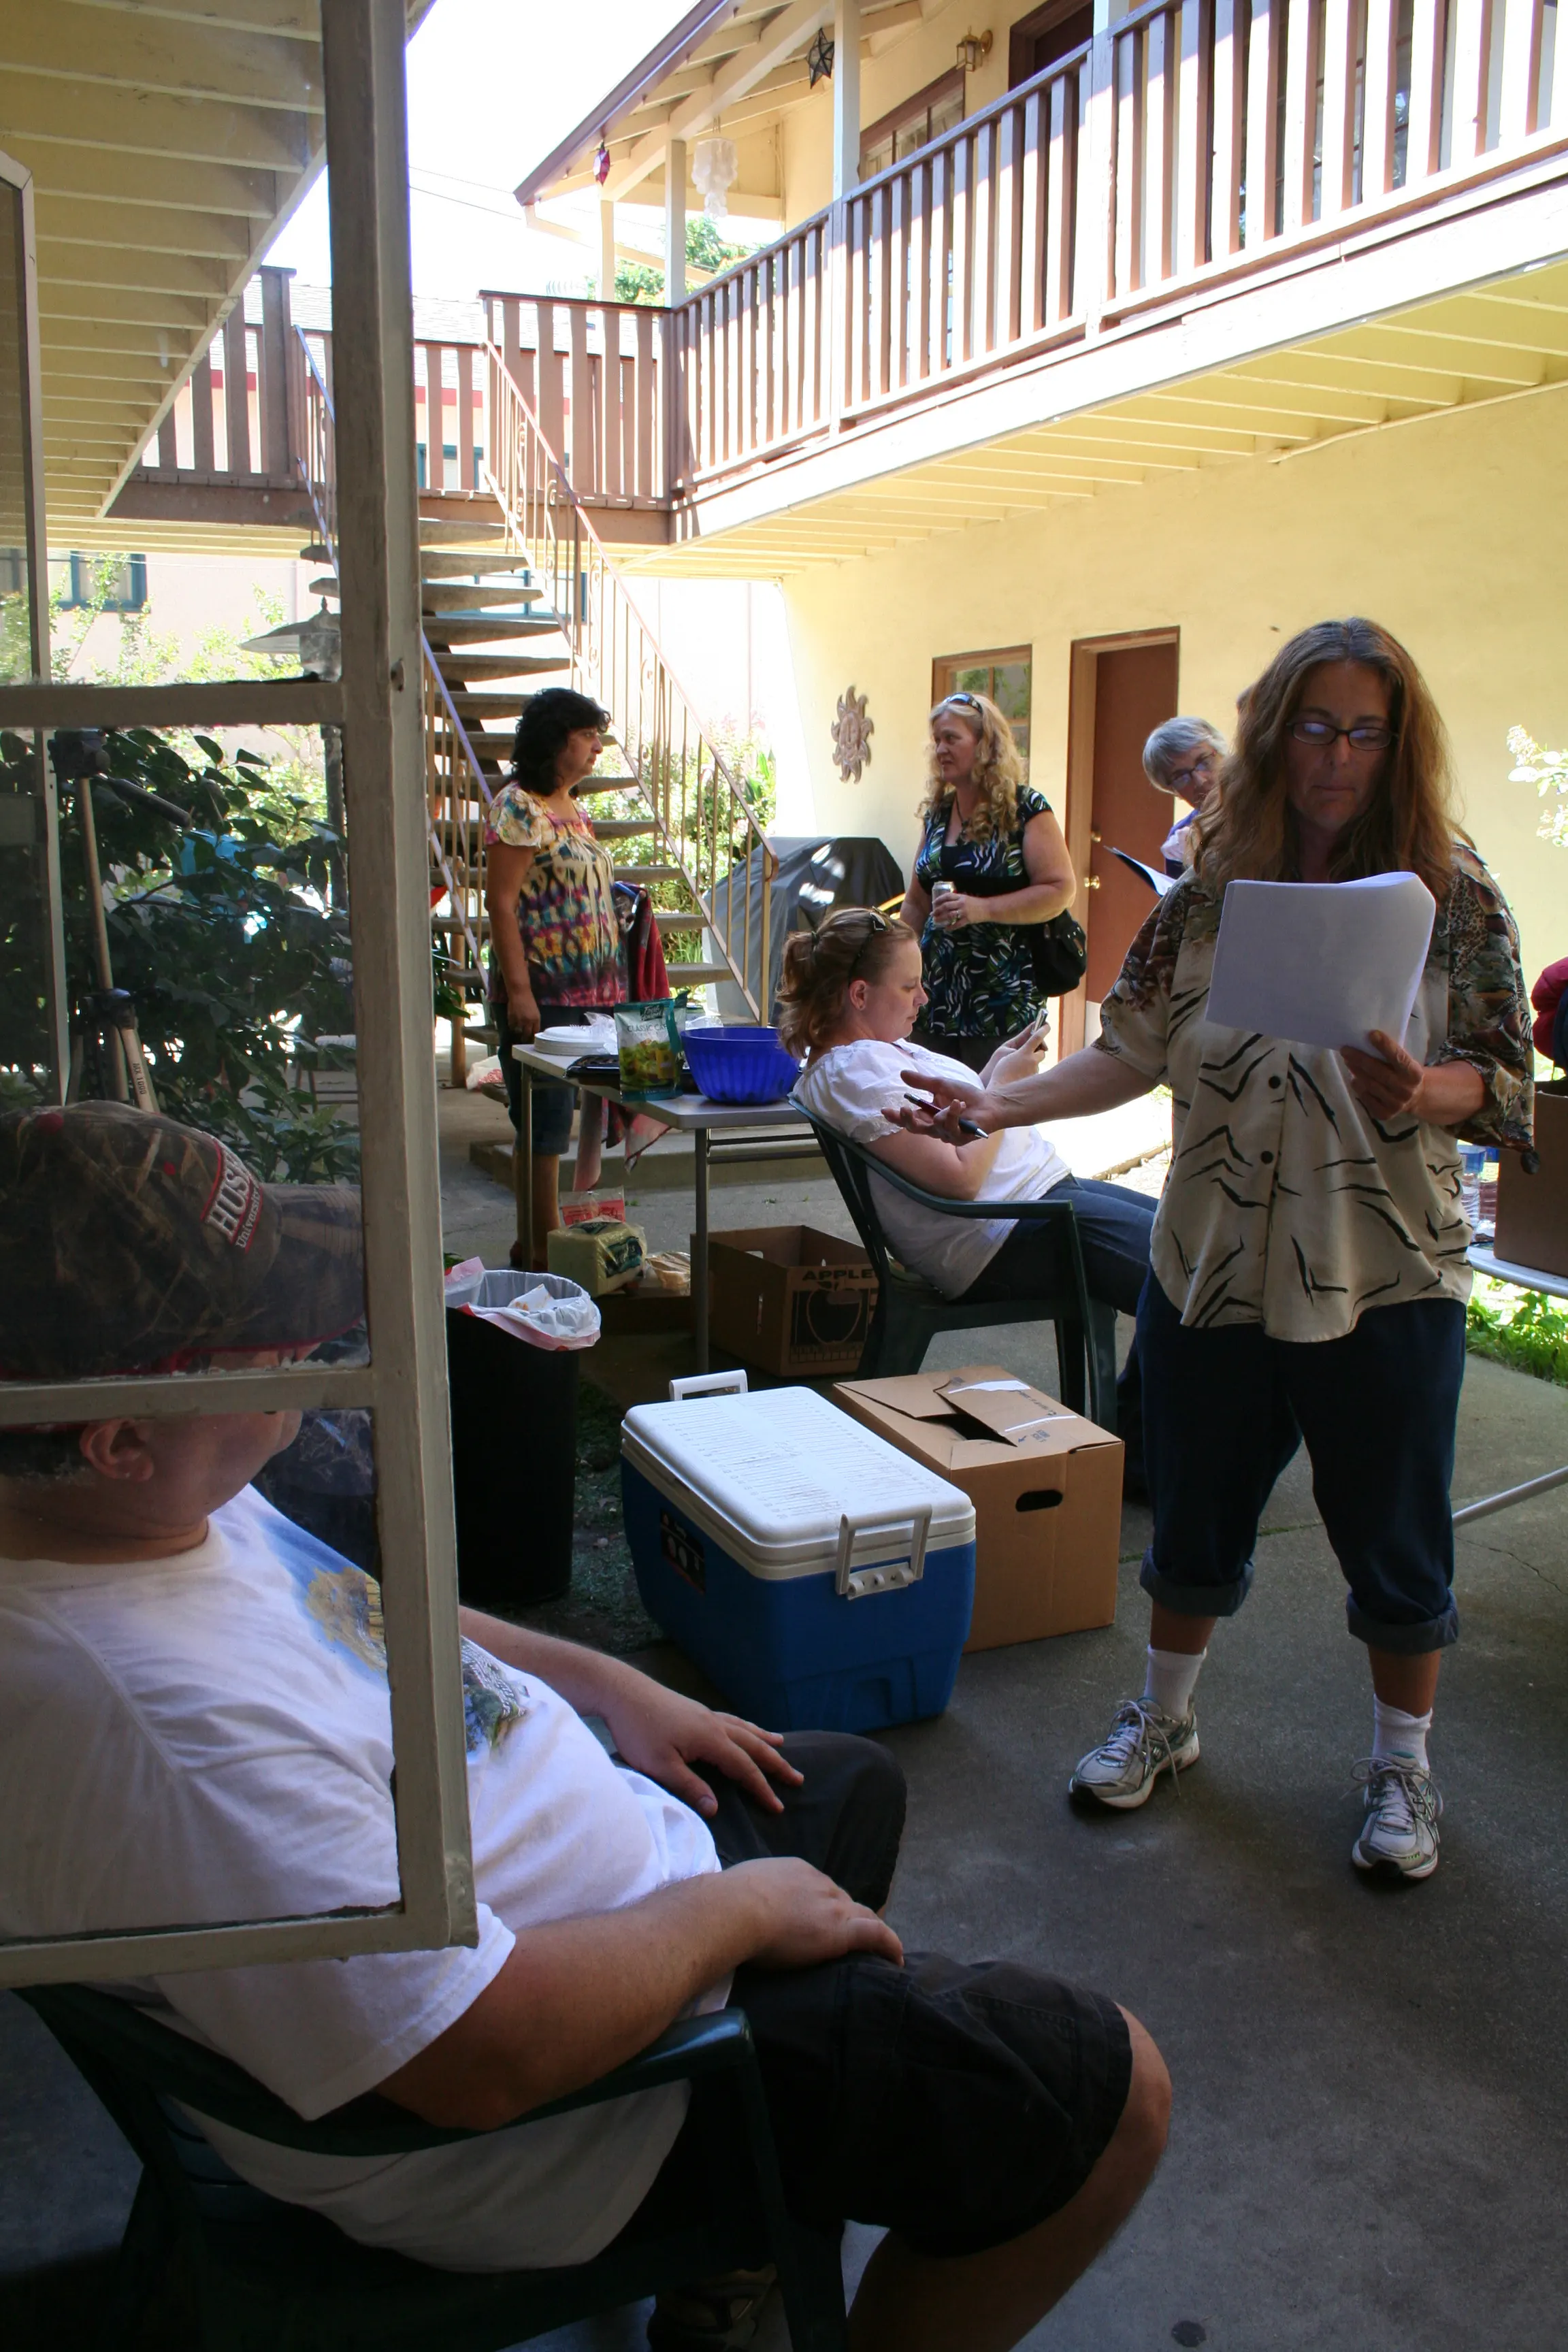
736 1063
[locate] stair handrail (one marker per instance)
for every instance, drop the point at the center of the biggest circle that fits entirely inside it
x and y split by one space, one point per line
316 458
694 799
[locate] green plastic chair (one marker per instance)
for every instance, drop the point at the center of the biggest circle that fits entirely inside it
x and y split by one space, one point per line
911 1311
271 2277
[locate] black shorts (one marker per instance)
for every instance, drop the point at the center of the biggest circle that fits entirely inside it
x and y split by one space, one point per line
955 2104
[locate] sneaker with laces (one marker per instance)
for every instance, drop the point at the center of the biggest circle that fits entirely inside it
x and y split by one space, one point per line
715 2316
1143 1743
1399 1835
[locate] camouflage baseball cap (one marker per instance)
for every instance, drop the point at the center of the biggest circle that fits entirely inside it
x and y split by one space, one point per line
131 1244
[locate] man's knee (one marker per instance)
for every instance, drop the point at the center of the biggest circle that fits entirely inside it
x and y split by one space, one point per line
1145 2123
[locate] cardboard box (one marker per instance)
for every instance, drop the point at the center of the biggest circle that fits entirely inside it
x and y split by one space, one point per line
1046 1485
789 1299
1532 1211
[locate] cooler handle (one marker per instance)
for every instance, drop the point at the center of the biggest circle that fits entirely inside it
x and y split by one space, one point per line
886 1575
701 1384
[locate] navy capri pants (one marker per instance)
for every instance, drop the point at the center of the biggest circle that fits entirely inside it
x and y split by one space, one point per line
1223 1411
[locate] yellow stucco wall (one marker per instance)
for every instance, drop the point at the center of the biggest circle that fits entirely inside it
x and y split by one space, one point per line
1443 531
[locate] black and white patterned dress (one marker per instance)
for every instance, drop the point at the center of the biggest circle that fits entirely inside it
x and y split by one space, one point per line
980 980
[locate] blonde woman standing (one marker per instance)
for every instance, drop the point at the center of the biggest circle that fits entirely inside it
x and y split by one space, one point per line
991 872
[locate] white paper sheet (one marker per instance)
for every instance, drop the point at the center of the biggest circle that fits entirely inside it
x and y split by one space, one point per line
1323 964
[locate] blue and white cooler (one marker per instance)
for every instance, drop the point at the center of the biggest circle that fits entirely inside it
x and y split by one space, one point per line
819 1576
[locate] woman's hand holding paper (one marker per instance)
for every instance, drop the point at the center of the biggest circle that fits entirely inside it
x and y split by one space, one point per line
1391 1081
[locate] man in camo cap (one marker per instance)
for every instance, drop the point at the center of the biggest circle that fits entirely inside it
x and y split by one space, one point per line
130 1244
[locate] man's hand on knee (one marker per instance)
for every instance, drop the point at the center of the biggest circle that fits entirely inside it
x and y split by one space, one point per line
803 1918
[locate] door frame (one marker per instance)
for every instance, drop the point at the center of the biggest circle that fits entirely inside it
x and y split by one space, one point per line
1083 681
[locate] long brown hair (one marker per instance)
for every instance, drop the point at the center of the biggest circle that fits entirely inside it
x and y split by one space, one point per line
998 773
852 943
1248 829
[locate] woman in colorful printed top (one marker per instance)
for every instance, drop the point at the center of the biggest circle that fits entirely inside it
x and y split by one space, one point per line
1308 1269
992 866
555 944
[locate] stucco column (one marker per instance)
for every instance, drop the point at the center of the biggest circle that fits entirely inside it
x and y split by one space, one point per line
675 221
846 96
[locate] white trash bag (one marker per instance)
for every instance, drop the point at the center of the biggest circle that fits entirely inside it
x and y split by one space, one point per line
545 1309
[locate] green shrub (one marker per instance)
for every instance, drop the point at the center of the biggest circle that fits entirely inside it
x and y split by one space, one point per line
1522 1327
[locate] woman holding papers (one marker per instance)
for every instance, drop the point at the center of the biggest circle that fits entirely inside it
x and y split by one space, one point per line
1307 1268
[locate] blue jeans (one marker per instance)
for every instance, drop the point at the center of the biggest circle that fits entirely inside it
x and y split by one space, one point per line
1113 1227
1226 1408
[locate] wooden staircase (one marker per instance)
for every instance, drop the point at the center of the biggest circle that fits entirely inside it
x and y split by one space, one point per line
508 608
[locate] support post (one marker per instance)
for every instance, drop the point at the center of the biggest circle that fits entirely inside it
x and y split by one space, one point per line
846 96
675 223
383 776
608 250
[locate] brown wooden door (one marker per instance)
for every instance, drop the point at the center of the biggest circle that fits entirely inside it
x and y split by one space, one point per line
1134 689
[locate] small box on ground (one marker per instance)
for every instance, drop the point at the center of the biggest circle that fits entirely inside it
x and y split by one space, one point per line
601 1254
820 1577
789 1299
1045 1483
1532 1211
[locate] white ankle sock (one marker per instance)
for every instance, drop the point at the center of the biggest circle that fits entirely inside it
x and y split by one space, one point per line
1398 1738
1171 1680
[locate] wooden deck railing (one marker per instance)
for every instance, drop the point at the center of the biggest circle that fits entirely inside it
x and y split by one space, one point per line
229 424
593 375
1195 142
705 824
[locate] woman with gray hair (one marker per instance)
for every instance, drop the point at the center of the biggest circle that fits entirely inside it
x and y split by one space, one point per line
1182 757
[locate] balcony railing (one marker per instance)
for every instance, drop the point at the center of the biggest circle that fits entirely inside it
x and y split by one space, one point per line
1196 145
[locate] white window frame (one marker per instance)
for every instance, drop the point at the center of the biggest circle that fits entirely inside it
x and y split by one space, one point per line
377 705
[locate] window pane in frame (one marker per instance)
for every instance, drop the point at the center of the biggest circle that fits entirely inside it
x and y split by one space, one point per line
373 508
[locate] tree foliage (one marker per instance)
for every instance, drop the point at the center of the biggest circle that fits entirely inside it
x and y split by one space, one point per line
643 282
223 933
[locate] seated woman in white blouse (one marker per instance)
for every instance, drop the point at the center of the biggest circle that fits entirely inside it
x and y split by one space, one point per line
850 995
1310 1272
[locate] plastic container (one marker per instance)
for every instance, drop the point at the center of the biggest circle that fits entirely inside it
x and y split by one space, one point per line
1472 1159
515 1449
649 1049
821 1578
739 1063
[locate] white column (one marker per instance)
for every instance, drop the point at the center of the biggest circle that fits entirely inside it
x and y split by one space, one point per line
846 96
675 221
606 250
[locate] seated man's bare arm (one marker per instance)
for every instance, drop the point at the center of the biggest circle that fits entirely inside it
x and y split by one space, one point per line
582 1996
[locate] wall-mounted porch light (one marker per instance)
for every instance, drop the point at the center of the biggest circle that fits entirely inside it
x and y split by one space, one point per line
819 59
973 50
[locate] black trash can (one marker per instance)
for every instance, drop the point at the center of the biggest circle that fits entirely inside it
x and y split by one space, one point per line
514 1460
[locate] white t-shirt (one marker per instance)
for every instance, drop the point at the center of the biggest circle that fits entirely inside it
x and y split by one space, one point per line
207 1738
849 1086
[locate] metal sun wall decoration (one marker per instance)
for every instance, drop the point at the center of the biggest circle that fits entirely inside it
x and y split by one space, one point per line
852 732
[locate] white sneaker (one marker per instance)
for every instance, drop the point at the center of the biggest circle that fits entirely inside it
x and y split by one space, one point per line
1143 1743
1399 1835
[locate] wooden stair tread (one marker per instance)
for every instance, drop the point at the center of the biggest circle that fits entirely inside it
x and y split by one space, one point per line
435 532
690 974
643 874
476 595
478 630
623 828
451 563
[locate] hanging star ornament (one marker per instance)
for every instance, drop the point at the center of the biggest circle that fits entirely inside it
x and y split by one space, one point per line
819 60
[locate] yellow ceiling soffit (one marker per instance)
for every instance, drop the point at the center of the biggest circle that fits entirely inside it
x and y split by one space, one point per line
1505 340
168 144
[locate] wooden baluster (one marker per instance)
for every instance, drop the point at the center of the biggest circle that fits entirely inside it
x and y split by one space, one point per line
202 415
896 290
168 444
467 475
736 382
585 465
236 393
962 337
552 407
272 375
1229 158
511 338
1160 134
874 218
916 314
1262 120
1377 105
435 420
1472 45
748 290
1194 133
1519 112
1035 218
982 150
939 275
1056 296
646 484
1303 23
1130 155
813 353
1340 27
1424 135
619 465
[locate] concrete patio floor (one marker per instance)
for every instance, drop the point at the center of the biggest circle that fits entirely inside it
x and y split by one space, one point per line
1369 2145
